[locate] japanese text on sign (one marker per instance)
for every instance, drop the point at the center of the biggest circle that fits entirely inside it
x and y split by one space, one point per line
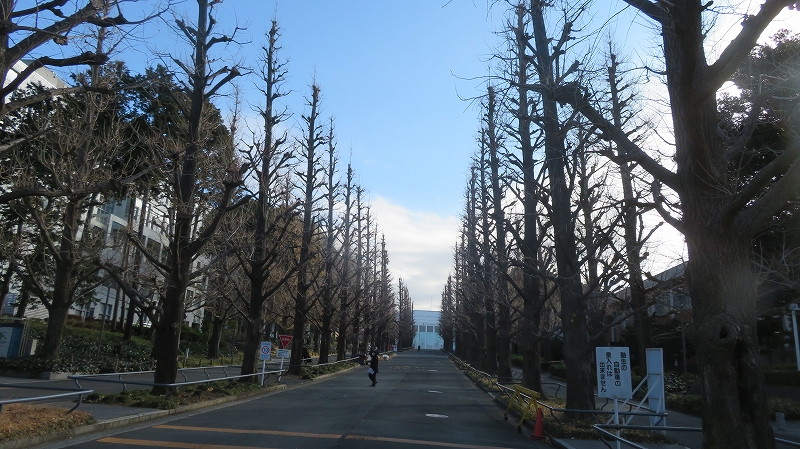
613 372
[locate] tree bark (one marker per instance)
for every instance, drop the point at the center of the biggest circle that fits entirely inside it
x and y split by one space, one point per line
531 290
720 275
303 283
577 348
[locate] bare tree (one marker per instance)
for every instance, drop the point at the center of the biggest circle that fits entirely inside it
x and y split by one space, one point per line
547 54
720 212
347 295
203 82
267 265
313 139
331 253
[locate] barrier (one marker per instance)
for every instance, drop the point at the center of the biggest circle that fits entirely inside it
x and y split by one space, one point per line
69 392
172 387
524 400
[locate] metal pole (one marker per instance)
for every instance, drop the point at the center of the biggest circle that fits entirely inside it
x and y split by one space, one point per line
279 375
683 340
794 328
263 368
616 420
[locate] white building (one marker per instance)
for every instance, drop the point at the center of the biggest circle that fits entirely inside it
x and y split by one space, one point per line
427 324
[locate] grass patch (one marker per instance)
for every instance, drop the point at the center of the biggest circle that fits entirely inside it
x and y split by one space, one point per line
560 425
184 396
23 420
312 371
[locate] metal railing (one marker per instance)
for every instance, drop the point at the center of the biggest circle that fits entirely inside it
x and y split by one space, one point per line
172 387
603 429
68 393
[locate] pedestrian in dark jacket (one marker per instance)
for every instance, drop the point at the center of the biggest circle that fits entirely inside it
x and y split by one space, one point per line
373 367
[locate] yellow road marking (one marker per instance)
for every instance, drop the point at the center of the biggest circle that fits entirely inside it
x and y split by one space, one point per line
172 444
421 442
251 432
280 433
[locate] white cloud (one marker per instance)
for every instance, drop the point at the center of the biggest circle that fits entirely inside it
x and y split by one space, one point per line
420 247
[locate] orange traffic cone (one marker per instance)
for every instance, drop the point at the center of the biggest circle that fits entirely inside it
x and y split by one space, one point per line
538 432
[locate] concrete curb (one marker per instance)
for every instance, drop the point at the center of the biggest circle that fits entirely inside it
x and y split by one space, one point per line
561 444
133 419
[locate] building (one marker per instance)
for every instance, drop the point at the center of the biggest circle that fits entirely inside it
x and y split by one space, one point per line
112 219
427 334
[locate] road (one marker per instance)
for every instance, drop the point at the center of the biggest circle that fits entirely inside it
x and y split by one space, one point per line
421 400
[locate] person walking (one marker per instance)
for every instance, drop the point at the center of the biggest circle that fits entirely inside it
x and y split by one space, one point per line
373 367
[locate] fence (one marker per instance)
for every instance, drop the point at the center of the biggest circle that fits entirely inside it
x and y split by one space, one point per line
171 387
68 392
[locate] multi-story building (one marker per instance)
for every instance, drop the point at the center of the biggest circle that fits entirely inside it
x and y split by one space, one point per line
114 218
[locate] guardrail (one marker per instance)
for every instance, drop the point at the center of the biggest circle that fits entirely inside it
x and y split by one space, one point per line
69 392
509 391
171 386
603 429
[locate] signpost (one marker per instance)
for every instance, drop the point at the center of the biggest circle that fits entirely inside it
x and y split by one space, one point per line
284 353
655 385
614 376
264 354
613 373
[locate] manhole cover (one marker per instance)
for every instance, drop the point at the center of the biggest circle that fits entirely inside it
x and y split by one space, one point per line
435 415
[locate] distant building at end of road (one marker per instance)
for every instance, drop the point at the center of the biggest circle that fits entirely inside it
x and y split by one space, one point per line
427 334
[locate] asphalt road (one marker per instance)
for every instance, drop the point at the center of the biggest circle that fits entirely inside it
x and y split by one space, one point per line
421 400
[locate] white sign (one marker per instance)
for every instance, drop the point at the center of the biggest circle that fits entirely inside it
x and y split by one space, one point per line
613 372
283 353
655 385
266 349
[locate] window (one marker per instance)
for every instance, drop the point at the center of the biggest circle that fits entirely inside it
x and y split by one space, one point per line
430 328
436 329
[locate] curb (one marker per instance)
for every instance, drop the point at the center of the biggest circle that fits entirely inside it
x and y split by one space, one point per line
561 444
132 419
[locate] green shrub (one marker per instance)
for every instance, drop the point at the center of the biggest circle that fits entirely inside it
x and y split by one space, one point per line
312 371
516 360
789 407
780 367
786 378
83 352
691 404
558 369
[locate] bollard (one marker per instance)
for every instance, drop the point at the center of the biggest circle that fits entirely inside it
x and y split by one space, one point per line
780 420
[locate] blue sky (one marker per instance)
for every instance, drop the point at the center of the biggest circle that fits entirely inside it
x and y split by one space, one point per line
395 75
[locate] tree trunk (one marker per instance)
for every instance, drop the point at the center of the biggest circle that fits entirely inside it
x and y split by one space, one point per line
720 274
167 341
24 298
55 328
303 284
63 283
577 348
531 290
216 337
252 334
